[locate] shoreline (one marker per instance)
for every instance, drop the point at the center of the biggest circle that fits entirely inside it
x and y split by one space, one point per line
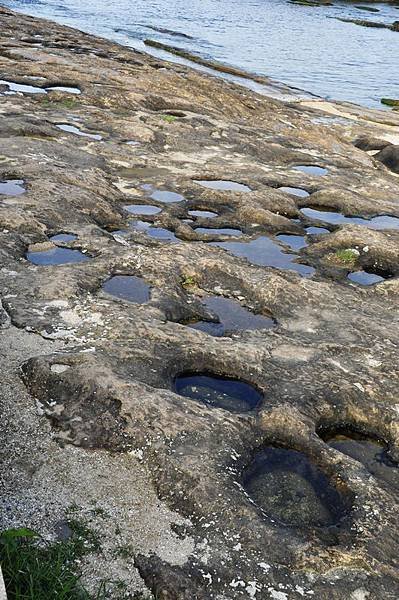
93 417
274 87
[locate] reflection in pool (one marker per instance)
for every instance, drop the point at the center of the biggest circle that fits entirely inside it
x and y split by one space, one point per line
232 318
218 392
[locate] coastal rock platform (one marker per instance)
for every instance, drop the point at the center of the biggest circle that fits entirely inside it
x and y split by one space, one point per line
104 154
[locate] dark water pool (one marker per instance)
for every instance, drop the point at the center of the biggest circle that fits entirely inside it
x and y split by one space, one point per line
128 287
12 187
56 256
232 318
365 278
218 392
265 252
288 487
337 218
369 451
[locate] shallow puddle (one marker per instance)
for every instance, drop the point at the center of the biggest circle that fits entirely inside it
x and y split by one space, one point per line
218 392
383 222
75 130
266 253
63 237
316 230
206 214
166 196
295 242
295 191
57 256
62 88
21 88
223 185
311 170
139 225
142 209
232 318
128 287
222 231
365 278
12 187
371 452
291 489
160 233
337 218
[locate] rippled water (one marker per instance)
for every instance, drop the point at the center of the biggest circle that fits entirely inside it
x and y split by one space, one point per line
303 46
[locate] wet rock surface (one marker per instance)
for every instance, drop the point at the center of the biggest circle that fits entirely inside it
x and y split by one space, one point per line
101 372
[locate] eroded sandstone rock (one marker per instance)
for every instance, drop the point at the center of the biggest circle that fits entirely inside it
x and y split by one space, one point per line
103 369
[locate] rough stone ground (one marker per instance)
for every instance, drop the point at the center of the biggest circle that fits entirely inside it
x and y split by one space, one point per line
116 437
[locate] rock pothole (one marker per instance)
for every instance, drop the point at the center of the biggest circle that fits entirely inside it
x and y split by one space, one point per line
56 256
265 252
77 131
365 277
162 234
294 191
223 185
64 88
14 87
295 242
231 318
291 489
316 230
142 209
337 218
205 214
128 287
367 449
12 187
217 391
314 170
166 196
63 237
214 231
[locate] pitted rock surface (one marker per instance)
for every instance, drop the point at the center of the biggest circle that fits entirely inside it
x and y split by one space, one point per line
108 385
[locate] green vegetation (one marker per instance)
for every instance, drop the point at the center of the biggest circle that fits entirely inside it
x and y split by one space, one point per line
34 569
389 102
347 256
168 118
68 103
188 281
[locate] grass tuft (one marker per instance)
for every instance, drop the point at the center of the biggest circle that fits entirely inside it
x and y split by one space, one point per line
347 256
168 118
68 103
188 281
34 569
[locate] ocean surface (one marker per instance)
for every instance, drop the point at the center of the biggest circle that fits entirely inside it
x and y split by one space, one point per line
303 46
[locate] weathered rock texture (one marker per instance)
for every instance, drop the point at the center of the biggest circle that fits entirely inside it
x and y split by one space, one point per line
107 384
